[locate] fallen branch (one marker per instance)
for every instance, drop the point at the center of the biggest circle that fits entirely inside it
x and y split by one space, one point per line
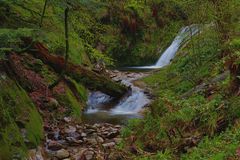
81 74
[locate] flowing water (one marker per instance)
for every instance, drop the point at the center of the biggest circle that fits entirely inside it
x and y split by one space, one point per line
102 108
168 55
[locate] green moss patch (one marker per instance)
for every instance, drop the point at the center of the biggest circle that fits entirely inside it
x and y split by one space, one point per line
67 99
21 124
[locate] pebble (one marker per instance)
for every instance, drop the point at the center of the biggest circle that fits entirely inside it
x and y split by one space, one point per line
71 137
67 119
89 155
70 129
62 154
54 145
83 134
109 145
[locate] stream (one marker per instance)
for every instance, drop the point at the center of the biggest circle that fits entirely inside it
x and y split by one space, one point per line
101 107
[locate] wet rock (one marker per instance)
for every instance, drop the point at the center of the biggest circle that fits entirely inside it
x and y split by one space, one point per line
83 134
54 146
62 142
89 155
52 103
84 139
100 139
74 135
90 131
62 154
70 129
73 142
118 126
91 127
113 134
92 141
109 145
54 134
36 154
97 125
80 155
67 119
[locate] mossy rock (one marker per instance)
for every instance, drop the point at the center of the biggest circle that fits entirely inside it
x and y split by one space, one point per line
20 123
66 98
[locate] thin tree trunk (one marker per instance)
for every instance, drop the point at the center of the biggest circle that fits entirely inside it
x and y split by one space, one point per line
43 13
66 50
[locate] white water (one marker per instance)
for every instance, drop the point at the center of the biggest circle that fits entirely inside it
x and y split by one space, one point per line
96 100
168 55
129 105
133 103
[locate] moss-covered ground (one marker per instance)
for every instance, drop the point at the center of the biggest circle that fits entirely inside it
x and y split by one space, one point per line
21 124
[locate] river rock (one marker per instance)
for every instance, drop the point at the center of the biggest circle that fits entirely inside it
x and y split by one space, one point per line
109 145
54 145
112 134
73 142
36 154
61 154
75 135
118 126
67 119
52 103
100 139
89 155
80 155
83 134
70 129
92 141
90 131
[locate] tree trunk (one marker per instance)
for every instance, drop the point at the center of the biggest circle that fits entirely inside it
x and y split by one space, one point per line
90 79
66 49
43 13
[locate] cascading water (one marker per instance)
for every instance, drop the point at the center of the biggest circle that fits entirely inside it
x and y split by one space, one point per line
183 36
100 106
133 103
171 51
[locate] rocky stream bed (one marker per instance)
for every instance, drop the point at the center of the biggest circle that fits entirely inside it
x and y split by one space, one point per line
71 140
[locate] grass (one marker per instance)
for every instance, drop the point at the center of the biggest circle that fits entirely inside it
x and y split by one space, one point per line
172 119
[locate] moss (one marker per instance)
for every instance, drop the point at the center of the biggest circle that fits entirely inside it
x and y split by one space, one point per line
69 101
18 114
81 90
12 142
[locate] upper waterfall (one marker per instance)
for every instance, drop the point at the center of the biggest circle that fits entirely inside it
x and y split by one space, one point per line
183 36
171 51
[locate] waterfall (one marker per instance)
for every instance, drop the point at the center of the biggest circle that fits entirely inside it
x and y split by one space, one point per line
183 36
171 51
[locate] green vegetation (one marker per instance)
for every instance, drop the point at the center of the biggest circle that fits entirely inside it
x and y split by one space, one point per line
196 98
67 99
18 117
195 113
